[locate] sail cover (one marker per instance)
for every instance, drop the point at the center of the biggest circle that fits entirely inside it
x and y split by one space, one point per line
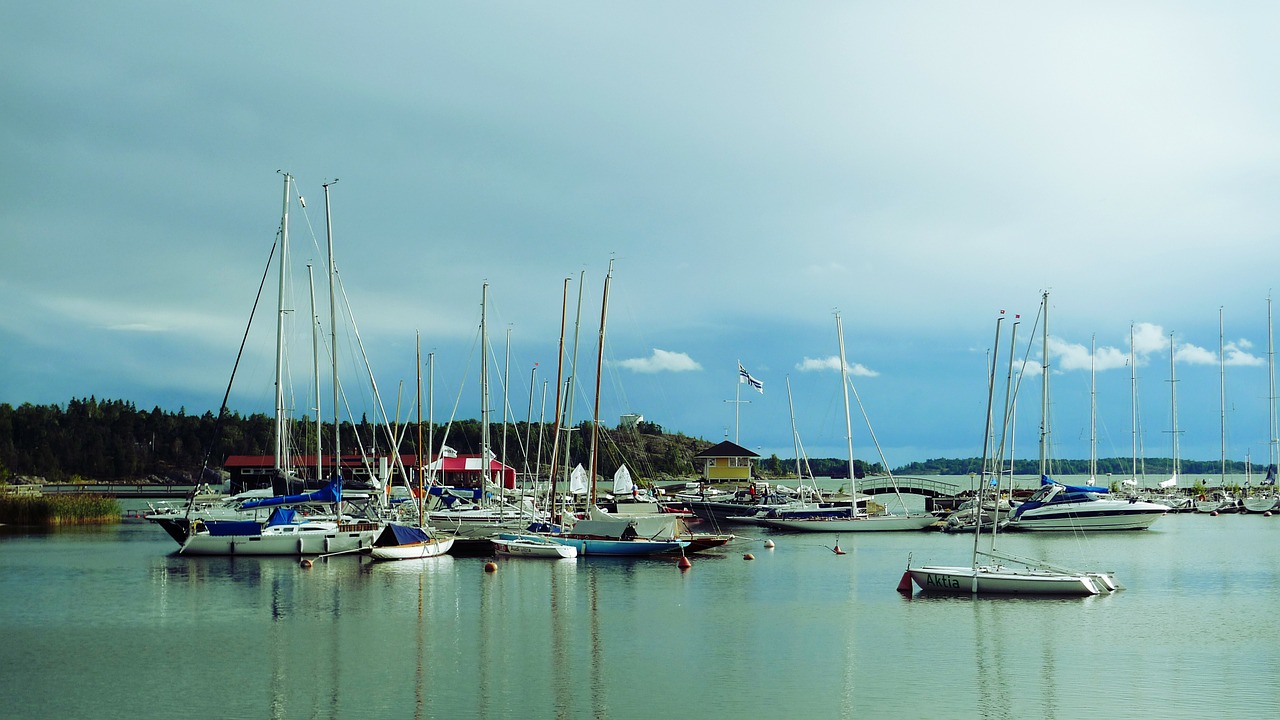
393 535
330 493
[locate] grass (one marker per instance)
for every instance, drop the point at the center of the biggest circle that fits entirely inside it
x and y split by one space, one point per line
79 509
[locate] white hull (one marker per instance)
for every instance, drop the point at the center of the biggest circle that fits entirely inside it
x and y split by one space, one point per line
295 543
1096 515
534 549
864 523
999 580
413 551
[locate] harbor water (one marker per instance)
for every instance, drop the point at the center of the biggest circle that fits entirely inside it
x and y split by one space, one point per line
110 622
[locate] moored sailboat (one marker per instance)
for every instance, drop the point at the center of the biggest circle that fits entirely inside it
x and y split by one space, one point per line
996 573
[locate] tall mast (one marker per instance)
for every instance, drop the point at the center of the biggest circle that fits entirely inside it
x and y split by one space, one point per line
1093 409
595 422
1173 405
1133 405
486 468
1271 394
315 368
417 337
281 462
555 431
795 437
1222 397
1044 388
844 385
572 381
333 334
982 466
506 377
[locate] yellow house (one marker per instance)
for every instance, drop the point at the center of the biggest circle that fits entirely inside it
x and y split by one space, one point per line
724 463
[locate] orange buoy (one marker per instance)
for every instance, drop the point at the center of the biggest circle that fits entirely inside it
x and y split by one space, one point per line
748 556
1266 514
305 563
684 563
1213 514
491 567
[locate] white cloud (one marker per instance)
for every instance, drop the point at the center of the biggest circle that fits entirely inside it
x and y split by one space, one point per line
661 361
833 364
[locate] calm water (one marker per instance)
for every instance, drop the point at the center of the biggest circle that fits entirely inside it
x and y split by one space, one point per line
107 622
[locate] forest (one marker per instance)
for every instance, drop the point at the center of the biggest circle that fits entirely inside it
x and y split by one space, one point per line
91 440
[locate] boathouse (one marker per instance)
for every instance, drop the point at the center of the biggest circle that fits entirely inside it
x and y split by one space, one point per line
725 463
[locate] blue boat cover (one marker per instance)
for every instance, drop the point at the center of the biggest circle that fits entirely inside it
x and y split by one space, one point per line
282 516
394 534
223 528
1046 480
330 493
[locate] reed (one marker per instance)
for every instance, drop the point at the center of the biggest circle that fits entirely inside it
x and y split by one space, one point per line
78 509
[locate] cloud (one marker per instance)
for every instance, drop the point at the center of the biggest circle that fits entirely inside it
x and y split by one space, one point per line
833 363
661 361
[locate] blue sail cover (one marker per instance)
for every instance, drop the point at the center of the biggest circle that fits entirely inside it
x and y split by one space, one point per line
393 535
1046 480
282 516
330 493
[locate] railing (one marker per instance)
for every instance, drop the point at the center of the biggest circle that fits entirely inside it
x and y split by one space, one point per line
882 484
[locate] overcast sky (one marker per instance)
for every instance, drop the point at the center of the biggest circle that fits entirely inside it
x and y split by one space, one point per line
750 168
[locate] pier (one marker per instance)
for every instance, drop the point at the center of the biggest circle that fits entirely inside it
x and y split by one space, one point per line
156 490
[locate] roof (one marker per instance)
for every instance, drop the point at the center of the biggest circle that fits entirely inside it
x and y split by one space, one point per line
726 449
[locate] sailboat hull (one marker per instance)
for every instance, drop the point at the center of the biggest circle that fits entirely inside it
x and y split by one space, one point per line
295 541
413 551
863 523
998 580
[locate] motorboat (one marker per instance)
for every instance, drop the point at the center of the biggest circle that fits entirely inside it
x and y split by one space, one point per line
1082 507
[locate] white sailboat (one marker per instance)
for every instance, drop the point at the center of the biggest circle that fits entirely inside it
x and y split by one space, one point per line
286 531
809 517
995 573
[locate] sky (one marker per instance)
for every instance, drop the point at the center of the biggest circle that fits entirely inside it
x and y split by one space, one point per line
749 169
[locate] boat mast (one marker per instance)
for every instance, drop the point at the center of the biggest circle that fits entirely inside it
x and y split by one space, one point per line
1173 405
555 431
1007 427
486 468
1093 409
1271 395
848 424
1133 405
572 382
795 437
1044 388
280 461
982 465
333 335
417 337
315 368
1222 397
595 422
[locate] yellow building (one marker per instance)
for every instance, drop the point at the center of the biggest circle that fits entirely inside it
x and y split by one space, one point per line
725 463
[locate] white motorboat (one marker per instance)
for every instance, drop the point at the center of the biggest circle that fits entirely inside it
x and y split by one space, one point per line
1082 507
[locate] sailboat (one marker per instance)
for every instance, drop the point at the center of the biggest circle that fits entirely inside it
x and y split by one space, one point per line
987 573
286 531
487 513
408 542
1267 499
809 517
1059 507
603 533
